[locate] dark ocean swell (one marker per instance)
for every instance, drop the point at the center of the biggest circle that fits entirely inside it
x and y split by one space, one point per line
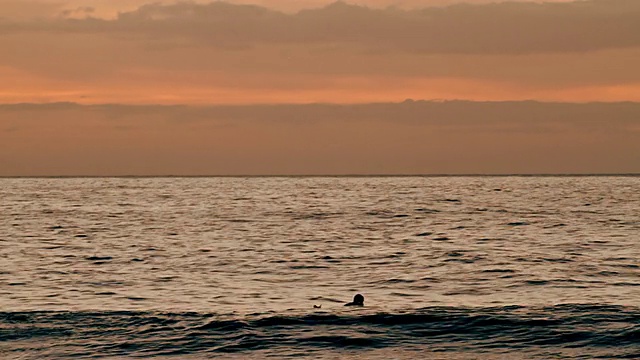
570 330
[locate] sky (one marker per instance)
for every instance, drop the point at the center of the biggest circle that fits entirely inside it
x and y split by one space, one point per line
150 55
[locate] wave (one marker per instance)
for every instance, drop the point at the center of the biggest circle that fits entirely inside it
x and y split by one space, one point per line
608 330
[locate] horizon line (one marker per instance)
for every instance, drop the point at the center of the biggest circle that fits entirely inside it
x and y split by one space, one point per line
405 101
629 174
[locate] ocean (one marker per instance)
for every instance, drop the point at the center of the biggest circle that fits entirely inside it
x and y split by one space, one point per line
504 267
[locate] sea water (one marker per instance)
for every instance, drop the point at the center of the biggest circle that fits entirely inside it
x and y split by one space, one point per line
450 267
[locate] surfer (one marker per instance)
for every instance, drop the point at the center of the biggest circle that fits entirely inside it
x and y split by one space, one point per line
358 300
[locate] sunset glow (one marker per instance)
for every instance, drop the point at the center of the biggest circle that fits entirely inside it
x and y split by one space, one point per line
250 52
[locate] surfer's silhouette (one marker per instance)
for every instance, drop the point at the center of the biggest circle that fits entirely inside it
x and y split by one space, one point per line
358 300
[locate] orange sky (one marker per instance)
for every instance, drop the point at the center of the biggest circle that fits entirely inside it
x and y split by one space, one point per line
206 55
405 138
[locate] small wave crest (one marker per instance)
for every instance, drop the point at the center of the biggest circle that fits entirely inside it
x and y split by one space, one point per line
614 330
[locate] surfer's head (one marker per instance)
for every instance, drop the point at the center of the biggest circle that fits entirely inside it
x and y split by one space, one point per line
358 300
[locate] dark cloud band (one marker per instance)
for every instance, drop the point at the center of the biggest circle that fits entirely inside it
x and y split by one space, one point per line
502 28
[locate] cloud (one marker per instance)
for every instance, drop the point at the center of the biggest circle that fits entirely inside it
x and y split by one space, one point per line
228 53
25 10
500 28
382 138
79 12
109 9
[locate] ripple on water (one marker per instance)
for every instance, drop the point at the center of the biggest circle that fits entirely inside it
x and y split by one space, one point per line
206 243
